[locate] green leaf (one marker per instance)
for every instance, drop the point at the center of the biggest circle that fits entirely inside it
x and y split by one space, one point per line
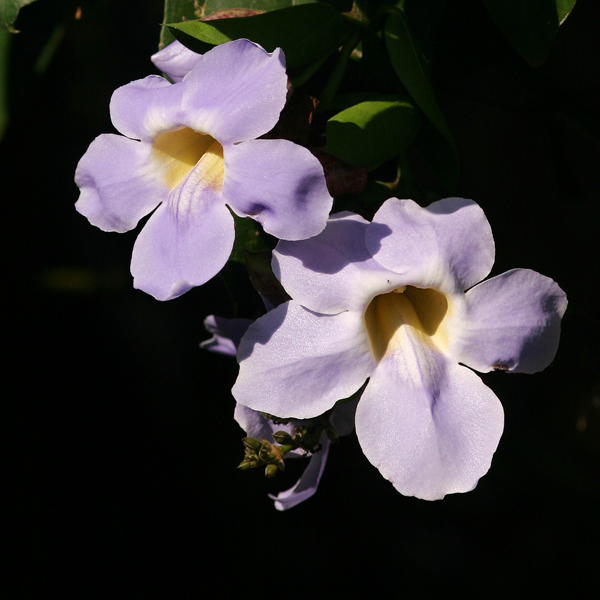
263 279
305 32
247 237
530 26
266 5
377 67
176 11
407 61
410 67
9 9
563 9
373 131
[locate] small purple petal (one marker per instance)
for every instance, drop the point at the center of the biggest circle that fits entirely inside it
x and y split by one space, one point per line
235 91
279 184
186 242
255 424
146 108
308 483
175 60
227 334
447 246
333 271
510 323
428 424
118 183
298 364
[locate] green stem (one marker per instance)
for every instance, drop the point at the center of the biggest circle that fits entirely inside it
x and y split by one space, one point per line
338 72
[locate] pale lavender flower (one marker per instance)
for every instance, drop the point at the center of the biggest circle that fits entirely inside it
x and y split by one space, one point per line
393 301
175 60
225 340
190 149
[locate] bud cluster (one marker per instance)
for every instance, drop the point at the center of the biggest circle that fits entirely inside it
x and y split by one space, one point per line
259 452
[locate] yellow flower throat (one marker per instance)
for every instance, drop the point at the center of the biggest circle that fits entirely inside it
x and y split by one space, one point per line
421 310
181 150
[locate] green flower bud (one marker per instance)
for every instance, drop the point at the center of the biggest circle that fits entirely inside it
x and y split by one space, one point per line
271 470
283 438
252 443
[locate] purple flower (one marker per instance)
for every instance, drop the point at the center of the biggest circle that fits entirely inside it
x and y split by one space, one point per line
393 301
190 149
175 60
226 337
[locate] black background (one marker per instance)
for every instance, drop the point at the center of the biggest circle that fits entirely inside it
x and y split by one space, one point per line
121 446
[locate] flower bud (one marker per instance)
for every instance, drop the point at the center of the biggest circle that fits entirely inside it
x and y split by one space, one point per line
252 443
283 438
271 470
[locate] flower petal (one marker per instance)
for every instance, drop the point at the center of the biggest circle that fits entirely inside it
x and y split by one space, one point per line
510 323
147 107
186 242
308 483
295 363
279 184
118 184
333 271
429 425
235 91
447 246
227 334
255 424
175 60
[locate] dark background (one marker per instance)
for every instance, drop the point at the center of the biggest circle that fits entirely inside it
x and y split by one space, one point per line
121 446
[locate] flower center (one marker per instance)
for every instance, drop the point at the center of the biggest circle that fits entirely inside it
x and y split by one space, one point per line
420 310
181 150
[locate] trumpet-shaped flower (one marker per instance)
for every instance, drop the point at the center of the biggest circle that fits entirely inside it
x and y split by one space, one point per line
190 149
399 301
226 335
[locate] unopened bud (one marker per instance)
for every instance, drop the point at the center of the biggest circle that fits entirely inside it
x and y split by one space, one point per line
283 438
271 470
252 443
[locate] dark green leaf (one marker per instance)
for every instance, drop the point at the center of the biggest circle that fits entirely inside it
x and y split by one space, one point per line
243 301
263 279
373 131
9 9
563 9
176 11
530 26
341 5
247 237
411 69
338 71
368 202
266 5
305 33
408 63
378 71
